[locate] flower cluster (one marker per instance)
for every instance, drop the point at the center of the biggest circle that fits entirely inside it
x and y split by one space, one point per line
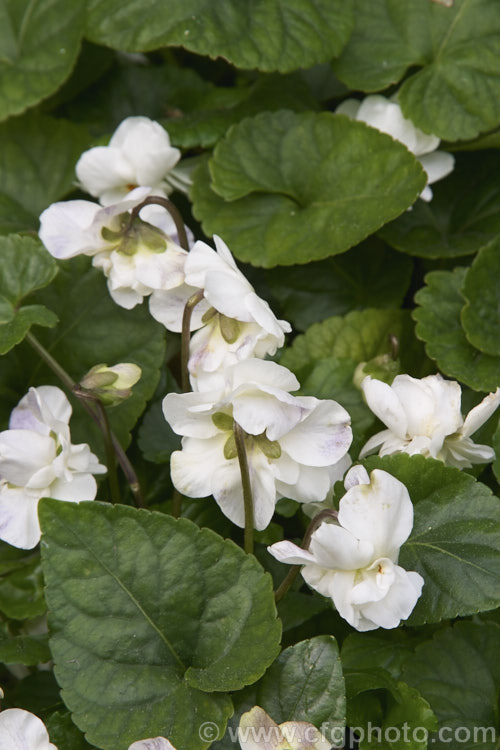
296 446
424 416
354 561
38 459
386 115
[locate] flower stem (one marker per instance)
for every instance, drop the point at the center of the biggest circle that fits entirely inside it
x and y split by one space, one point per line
72 386
186 331
172 210
239 437
176 504
114 487
316 522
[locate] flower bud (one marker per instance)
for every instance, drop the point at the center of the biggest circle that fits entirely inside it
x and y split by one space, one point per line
112 385
383 367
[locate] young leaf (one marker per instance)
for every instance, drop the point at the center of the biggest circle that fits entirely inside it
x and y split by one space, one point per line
39 45
153 614
305 683
455 542
284 35
456 92
294 187
439 325
26 266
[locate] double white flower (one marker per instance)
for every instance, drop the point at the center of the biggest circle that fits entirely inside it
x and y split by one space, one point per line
138 260
139 154
257 731
37 459
238 323
296 446
424 416
354 562
386 115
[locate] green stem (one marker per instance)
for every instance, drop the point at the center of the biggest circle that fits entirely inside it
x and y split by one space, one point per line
172 210
185 337
72 386
239 437
316 522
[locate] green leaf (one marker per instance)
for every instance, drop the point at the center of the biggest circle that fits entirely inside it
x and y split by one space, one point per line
64 734
456 672
456 92
37 166
455 542
284 35
26 266
496 447
481 290
439 325
38 693
463 215
296 608
95 330
305 683
370 275
21 591
151 612
39 44
23 649
385 650
294 187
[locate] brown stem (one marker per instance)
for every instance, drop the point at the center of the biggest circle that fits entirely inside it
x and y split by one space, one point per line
172 210
239 437
185 337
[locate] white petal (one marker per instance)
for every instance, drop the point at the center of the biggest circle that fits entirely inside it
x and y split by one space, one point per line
193 467
463 453
101 169
161 270
19 518
380 512
432 404
385 404
426 195
263 315
322 438
22 730
257 412
437 165
481 413
263 373
191 413
81 487
227 490
335 548
146 145
167 307
378 440
257 731
66 229
289 553
155 743
399 602
23 453
312 484
357 475
376 581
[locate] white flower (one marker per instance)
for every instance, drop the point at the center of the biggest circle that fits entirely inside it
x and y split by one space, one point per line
296 446
354 562
155 743
241 326
257 731
386 115
423 416
138 260
139 154
37 459
22 730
